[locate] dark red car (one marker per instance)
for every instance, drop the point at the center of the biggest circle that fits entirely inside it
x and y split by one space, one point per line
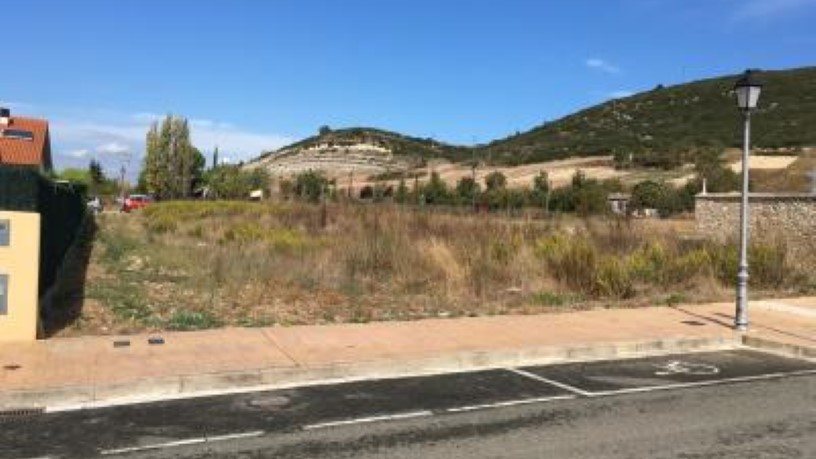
136 201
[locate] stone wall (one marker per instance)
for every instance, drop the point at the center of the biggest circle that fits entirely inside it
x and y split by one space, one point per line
788 218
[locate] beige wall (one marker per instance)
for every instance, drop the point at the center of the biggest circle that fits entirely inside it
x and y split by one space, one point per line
788 218
20 262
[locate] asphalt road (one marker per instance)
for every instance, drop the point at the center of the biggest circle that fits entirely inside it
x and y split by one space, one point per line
734 404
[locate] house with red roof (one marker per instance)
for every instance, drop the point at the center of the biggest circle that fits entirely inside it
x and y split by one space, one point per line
24 141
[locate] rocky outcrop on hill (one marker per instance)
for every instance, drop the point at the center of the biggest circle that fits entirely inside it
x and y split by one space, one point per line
334 160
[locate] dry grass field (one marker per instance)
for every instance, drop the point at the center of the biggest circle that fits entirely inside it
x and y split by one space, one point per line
194 265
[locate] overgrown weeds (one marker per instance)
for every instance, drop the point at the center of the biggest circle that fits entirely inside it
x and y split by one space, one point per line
193 265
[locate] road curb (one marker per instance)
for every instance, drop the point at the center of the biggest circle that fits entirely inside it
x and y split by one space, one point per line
198 385
778 346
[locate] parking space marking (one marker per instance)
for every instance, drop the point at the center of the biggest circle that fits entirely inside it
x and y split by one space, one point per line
185 442
169 444
561 385
370 419
527 401
712 382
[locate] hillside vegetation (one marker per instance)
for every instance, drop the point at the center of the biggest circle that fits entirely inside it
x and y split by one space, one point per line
664 120
408 147
675 119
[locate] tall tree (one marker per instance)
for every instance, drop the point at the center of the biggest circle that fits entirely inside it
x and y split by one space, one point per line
171 164
96 175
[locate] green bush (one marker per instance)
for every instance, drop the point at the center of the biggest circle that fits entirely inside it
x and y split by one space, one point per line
613 279
572 261
191 320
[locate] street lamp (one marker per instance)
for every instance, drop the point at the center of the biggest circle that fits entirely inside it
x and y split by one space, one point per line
747 90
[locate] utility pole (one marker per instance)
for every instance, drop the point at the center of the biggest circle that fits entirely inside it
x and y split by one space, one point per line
473 174
122 182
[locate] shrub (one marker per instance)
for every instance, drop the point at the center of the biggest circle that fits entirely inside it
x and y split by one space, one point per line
572 261
163 222
767 265
612 279
554 298
191 320
649 263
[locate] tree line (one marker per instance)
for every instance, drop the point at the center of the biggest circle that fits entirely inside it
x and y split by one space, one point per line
583 195
174 169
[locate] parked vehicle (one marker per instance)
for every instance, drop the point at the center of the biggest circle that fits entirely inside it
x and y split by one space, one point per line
136 201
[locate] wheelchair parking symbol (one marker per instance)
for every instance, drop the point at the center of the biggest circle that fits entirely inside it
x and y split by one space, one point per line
679 367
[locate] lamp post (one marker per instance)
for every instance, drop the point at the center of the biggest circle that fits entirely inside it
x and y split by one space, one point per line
747 90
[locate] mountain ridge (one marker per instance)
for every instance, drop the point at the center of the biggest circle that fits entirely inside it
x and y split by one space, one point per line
664 120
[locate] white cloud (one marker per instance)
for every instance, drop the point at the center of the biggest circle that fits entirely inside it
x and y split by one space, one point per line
81 153
228 138
113 148
16 106
766 9
602 65
118 138
146 117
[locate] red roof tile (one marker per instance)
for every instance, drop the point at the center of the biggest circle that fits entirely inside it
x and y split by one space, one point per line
35 152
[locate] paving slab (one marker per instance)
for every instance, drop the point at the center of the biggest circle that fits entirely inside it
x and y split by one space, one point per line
315 346
187 363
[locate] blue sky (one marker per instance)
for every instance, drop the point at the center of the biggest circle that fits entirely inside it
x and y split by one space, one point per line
255 75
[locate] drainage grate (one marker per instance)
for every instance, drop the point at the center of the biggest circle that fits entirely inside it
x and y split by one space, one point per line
10 415
121 343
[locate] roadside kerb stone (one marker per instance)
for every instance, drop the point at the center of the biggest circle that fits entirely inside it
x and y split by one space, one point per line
781 347
41 398
145 388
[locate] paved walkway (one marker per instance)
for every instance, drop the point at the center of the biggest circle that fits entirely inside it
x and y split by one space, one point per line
88 371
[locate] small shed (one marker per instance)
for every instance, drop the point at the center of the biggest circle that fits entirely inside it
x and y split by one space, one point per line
619 202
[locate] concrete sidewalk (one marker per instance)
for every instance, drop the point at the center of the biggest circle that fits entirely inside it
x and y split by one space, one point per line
65 373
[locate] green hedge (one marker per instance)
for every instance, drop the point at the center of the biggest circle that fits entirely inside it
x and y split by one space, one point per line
61 208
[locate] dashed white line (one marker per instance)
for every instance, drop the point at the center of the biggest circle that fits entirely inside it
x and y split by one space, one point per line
526 401
236 436
169 444
550 382
388 417
185 442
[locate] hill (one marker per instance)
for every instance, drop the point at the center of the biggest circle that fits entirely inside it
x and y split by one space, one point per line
367 150
675 119
655 127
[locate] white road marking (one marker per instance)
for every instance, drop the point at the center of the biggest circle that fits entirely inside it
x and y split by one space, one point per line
680 367
169 444
526 401
712 382
185 442
388 417
235 436
550 382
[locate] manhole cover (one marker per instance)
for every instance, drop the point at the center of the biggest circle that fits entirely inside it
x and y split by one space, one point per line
272 401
